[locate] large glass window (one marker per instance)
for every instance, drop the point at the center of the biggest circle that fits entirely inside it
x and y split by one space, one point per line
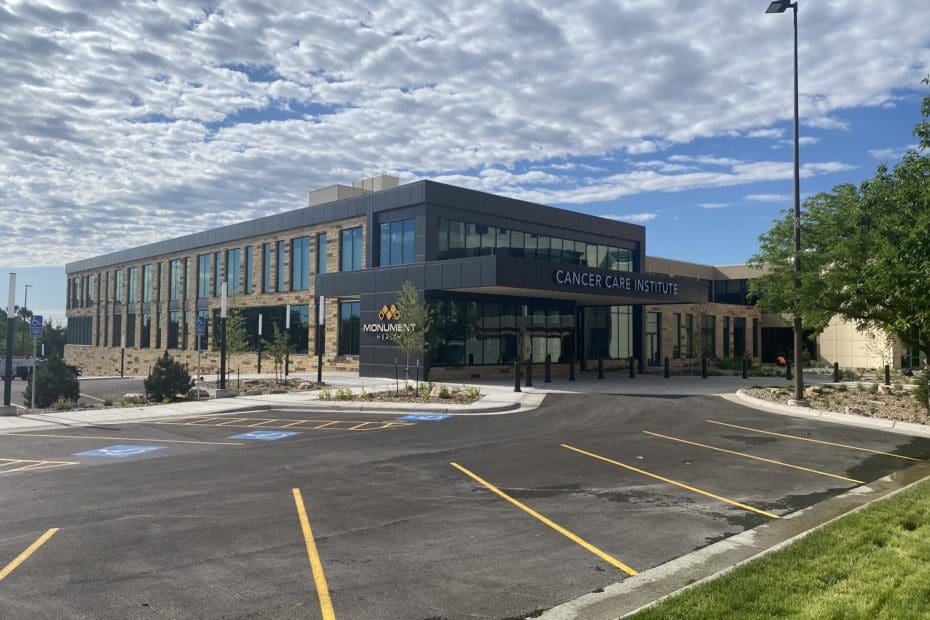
174 280
300 264
726 336
608 332
130 330
689 334
397 242
133 285
117 330
174 325
708 335
755 337
739 337
89 290
249 251
203 276
146 284
653 345
217 275
158 329
145 335
79 330
350 318
676 335
321 253
204 340
119 289
266 267
281 275
233 271
350 258
300 327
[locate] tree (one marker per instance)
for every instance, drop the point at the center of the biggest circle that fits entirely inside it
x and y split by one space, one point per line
279 347
415 321
54 338
865 252
54 382
168 379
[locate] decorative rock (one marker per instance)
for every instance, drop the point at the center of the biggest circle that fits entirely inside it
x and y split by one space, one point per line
884 389
304 385
814 390
434 393
855 411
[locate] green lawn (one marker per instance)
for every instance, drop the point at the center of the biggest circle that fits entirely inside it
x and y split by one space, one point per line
872 564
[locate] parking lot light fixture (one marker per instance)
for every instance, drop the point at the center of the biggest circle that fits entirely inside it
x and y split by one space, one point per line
780 6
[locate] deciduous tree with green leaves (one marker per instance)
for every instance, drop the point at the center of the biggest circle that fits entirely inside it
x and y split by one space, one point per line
865 252
417 318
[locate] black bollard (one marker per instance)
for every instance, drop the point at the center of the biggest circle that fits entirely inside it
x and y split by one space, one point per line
548 377
745 368
668 370
571 368
887 374
836 372
632 368
703 367
788 370
516 377
600 367
529 373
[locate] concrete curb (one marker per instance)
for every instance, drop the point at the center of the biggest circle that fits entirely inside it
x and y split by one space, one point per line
394 407
656 584
892 426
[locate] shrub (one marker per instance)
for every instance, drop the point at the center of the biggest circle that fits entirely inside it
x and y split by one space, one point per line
473 391
54 382
168 379
842 388
325 394
344 394
920 392
444 392
873 389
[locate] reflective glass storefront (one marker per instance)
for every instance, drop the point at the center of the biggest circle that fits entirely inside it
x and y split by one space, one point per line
608 332
483 331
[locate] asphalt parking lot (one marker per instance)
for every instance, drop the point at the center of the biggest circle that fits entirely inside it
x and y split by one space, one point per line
365 515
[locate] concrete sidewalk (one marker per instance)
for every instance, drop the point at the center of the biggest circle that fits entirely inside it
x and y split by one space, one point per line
495 399
498 397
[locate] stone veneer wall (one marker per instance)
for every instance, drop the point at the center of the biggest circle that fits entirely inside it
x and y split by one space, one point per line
718 311
100 358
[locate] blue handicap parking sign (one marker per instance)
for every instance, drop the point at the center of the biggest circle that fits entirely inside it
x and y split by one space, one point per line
201 326
424 417
120 451
265 435
35 326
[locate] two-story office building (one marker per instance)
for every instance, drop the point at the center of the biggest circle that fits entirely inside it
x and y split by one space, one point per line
508 280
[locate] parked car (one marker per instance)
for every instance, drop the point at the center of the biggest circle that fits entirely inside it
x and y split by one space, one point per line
23 370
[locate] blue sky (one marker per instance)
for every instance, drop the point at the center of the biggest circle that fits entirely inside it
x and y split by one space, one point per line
132 122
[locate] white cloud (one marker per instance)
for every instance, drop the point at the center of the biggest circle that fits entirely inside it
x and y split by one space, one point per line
714 205
635 218
770 197
891 155
122 123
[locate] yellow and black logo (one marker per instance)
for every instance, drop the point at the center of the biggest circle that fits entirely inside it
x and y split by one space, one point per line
389 314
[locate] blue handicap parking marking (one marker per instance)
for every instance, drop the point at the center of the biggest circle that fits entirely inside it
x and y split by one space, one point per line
120 451
265 435
424 417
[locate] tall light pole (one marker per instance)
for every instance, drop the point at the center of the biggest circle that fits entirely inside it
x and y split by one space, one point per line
780 6
10 326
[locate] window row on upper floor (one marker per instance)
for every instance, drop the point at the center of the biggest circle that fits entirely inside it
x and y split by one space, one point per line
285 266
462 240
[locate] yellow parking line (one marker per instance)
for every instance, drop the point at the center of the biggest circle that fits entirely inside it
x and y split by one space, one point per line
229 422
820 441
118 438
758 458
558 528
28 464
262 422
22 557
674 482
359 426
316 567
325 425
298 422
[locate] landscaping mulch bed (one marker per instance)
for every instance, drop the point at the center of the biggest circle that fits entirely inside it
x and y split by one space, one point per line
868 400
